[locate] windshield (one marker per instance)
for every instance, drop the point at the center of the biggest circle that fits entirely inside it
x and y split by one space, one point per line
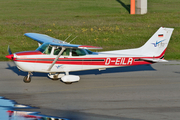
45 48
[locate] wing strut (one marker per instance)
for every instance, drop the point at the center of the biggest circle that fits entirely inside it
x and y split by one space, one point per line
55 60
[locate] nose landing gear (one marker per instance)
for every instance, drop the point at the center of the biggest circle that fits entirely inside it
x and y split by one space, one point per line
27 79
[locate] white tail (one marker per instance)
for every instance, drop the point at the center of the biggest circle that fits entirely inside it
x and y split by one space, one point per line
155 47
158 43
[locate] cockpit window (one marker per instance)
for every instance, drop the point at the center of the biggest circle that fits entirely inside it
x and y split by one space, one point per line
48 50
88 51
78 52
45 48
56 51
65 53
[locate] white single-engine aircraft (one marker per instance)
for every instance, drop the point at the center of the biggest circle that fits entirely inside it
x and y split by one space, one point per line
58 58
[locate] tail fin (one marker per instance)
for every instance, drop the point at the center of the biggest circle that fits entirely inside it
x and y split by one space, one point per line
153 50
157 44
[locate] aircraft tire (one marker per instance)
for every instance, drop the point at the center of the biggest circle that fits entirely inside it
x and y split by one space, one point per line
55 77
68 83
27 80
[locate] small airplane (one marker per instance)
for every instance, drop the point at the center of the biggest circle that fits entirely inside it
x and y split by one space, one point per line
58 57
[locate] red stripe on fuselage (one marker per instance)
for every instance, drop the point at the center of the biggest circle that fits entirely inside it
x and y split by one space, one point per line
107 61
113 61
29 53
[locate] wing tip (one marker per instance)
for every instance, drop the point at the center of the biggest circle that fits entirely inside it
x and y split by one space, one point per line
89 47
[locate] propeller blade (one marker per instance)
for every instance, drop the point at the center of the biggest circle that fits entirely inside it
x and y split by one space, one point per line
9 50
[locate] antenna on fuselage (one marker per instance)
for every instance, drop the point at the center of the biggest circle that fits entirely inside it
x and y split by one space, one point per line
73 39
67 37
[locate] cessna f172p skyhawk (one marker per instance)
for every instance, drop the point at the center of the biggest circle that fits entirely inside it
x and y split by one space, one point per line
58 58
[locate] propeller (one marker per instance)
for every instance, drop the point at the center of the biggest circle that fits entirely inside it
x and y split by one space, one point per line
9 50
10 56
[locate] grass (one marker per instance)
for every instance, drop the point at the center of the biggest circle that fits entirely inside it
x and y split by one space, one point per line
105 23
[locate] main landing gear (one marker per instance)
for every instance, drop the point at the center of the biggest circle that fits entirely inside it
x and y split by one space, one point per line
27 79
55 76
66 78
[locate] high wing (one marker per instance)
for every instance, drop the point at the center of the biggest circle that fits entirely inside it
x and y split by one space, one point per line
42 38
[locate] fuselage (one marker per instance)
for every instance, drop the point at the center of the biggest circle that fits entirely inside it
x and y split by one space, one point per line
38 61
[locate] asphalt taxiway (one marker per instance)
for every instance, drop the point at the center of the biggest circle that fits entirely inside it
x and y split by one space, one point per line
130 93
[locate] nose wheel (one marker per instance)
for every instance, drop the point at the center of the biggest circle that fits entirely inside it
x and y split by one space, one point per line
27 79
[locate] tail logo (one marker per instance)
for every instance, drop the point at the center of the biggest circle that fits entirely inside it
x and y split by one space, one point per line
159 43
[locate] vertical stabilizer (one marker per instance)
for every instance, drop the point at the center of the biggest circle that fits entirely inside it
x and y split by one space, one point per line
157 44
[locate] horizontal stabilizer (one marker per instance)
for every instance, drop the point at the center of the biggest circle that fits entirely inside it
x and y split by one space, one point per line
153 60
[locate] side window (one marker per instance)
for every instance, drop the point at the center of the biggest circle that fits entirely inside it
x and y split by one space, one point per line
78 52
65 53
88 51
56 51
48 50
